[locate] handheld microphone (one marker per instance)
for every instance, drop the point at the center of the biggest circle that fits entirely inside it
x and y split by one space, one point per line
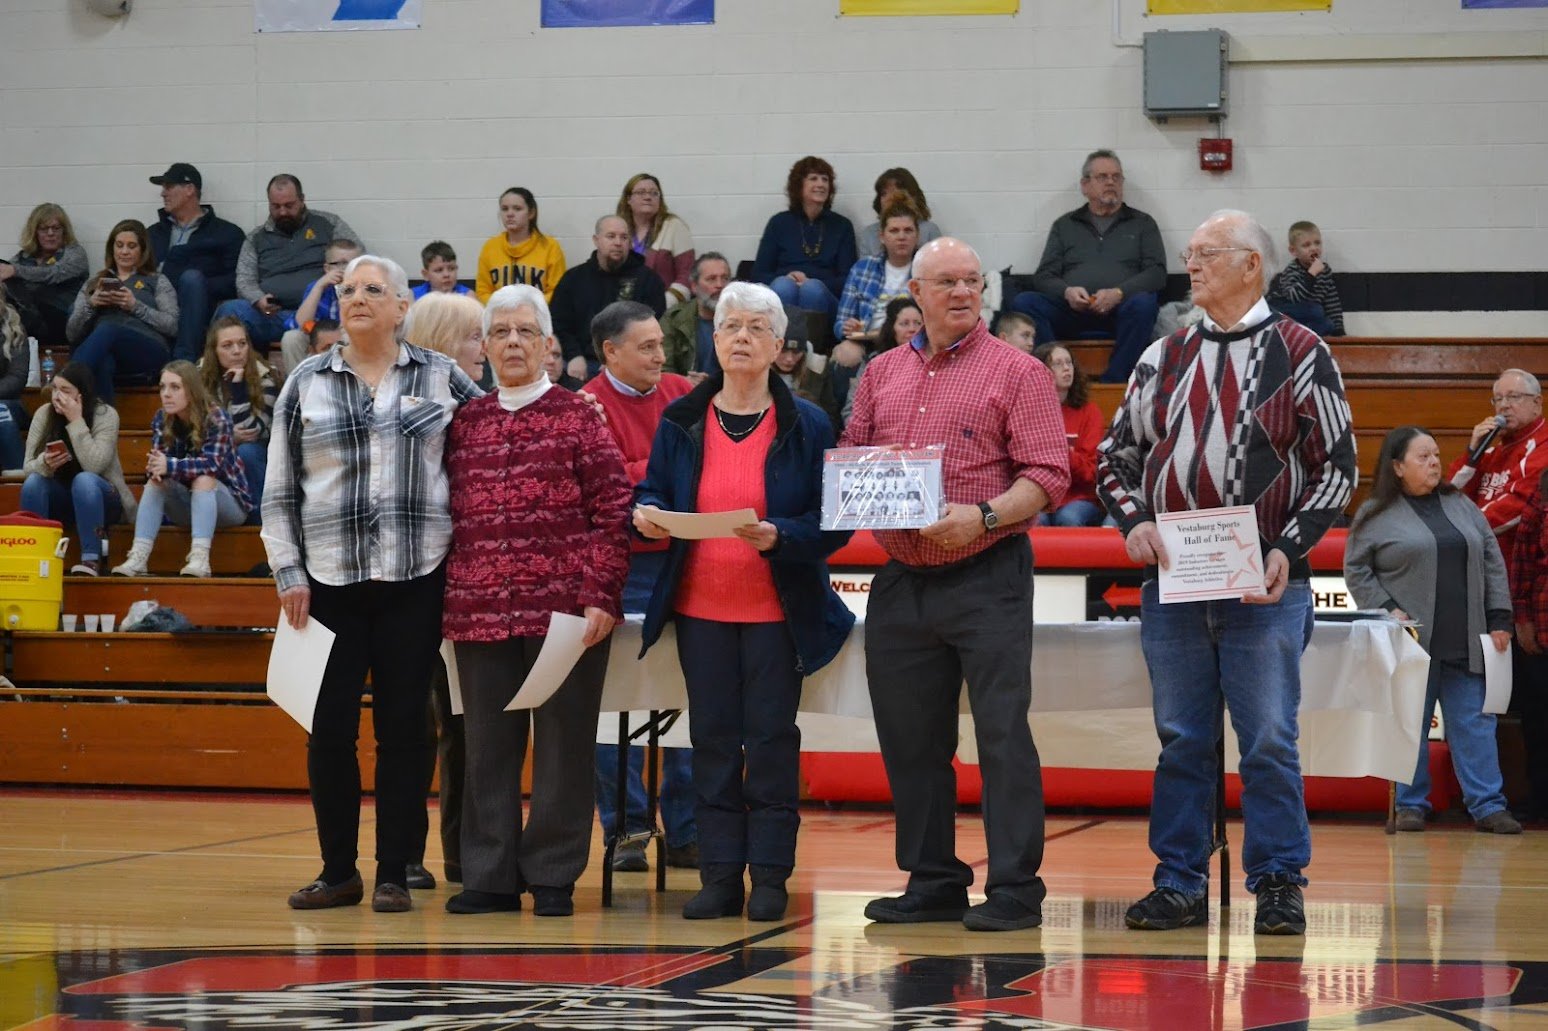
1483 445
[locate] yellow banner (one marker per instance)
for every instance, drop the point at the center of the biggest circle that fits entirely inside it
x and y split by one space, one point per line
908 7
1234 6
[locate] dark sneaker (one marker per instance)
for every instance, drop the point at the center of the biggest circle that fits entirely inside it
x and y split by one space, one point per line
547 901
629 857
470 901
420 879
683 857
322 895
87 567
1410 820
1166 909
1002 912
1281 910
913 908
1499 823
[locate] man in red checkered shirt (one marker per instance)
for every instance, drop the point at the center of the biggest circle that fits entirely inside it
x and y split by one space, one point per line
955 599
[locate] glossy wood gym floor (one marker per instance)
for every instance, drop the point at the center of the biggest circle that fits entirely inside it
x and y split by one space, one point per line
128 911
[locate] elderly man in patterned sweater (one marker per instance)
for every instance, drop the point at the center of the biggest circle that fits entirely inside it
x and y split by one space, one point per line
1245 409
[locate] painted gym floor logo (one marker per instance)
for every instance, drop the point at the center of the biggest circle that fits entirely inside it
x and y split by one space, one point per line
614 988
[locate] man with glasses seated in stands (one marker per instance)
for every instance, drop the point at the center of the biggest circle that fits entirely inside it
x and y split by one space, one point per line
1102 269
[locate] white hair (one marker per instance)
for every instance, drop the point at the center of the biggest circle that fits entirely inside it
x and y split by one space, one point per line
396 277
1246 231
1527 379
510 298
935 246
754 299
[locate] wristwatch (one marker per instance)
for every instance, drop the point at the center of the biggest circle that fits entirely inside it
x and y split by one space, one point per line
990 519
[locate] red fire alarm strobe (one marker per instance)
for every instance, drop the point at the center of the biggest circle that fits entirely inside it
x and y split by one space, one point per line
1215 155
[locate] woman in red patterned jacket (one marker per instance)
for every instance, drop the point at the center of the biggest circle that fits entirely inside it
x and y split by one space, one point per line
540 509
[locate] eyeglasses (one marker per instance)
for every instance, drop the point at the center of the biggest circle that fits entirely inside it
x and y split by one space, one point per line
1207 254
52 228
758 328
948 283
373 291
1106 177
526 334
646 194
1511 399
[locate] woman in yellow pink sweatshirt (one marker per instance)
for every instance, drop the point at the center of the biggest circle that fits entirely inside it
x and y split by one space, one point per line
522 253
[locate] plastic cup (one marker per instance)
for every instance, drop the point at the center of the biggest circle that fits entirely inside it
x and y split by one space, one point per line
68 622
91 623
109 620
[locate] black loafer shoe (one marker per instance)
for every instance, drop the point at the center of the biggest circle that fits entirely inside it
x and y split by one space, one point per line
1281 909
1002 912
470 901
322 895
420 879
912 908
391 898
1166 909
547 901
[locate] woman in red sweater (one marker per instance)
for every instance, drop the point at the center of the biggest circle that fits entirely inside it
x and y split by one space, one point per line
540 512
1083 428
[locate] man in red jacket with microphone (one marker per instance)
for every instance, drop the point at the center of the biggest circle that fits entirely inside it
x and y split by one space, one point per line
1503 477
1504 463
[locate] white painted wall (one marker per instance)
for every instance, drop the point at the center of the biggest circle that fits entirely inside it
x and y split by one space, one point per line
1431 165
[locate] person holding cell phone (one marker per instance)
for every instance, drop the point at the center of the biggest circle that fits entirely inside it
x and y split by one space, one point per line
72 464
125 316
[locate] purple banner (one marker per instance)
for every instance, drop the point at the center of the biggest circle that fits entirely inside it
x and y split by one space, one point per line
573 14
1503 3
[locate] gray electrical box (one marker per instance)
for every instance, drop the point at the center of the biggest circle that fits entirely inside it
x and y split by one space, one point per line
1185 73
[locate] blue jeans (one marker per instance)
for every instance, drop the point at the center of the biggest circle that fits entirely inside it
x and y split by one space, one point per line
92 499
677 798
812 295
255 459
13 424
1470 735
1079 512
1132 325
115 348
199 510
1307 313
1201 654
193 314
264 329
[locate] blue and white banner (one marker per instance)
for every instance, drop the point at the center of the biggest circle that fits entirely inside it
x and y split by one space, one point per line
573 14
335 15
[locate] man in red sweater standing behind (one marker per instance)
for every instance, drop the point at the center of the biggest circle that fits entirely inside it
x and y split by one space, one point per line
1502 481
634 391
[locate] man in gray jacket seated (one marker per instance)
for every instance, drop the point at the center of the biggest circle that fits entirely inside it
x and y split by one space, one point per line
280 259
1102 269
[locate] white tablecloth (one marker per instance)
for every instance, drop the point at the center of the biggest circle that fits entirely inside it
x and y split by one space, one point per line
1362 695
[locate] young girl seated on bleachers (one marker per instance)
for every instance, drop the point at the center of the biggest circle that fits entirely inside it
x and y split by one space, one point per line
72 464
193 473
244 386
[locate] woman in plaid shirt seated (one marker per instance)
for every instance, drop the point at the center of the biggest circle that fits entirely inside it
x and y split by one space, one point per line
193 473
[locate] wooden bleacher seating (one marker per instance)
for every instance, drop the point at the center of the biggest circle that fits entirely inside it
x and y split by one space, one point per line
193 712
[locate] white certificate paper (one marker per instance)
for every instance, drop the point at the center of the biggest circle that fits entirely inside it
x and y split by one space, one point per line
297 660
1497 676
562 649
700 526
1214 553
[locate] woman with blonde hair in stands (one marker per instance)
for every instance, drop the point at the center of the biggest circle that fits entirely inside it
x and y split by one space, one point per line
192 474
46 273
452 324
658 236
237 381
